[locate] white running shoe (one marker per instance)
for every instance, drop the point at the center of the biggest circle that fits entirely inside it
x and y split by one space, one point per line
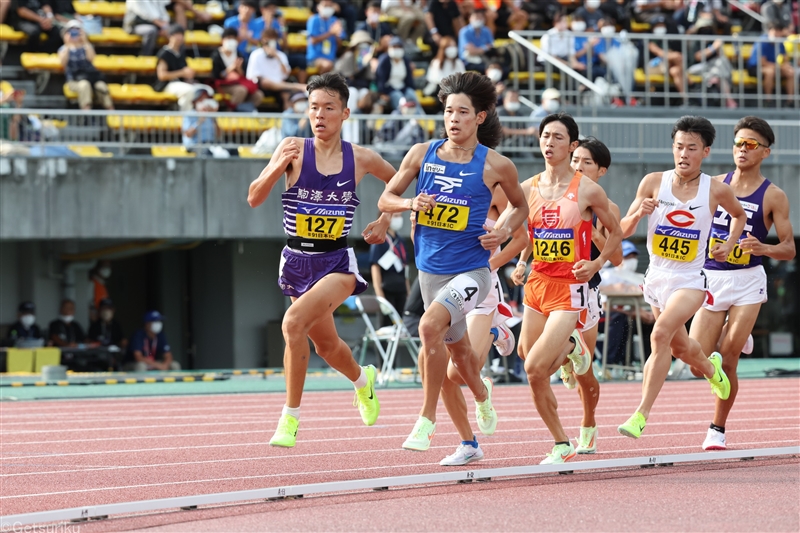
580 356
464 454
505 340
715 440
561 454
485 414
587 442
420 438
748 345
567 377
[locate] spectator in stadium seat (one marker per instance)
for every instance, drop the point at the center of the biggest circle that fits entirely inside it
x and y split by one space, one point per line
516 134
648 10
180 8
272 18
380 32
65 331
704 12
34 18
106 330
247 25
410 18
778 13
444 64
587 51
559 41
199 132
269 68
475 42
395 75
324 33
669 61
148 19
98 276
149 349
83 78
296 127
590 13
228 68
174 75
443 19
620 56
767 52
551 103
24 331
397 134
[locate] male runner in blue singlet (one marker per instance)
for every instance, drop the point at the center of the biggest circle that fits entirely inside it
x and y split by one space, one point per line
455 179
318 270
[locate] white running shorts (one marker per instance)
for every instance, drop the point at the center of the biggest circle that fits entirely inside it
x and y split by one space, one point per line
736 287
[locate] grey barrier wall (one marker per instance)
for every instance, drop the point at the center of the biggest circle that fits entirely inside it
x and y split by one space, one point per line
137 198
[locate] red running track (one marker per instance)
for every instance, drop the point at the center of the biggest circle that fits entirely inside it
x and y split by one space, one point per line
59 454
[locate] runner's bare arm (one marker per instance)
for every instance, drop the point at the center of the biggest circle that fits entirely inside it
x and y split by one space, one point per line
286 152
777 205
516 211
518 277
599 236
723 193
391 200
517 243
371 162
645 203
598 201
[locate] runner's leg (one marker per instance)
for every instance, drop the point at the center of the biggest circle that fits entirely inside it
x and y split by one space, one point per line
588 386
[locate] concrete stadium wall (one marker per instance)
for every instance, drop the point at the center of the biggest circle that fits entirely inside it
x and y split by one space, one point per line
134 198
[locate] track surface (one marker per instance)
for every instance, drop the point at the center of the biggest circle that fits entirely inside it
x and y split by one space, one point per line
59 454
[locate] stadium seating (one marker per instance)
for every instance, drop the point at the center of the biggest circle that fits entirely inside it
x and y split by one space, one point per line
247 152
88 150
130 94
171 151
11 36
34 62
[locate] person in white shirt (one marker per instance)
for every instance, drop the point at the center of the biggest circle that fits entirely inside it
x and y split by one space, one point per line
269 68
558 41
148 18
445 63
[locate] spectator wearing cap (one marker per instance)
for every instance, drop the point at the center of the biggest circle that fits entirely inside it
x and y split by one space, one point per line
228 69
148 19
199 132
173 74
324 33
83 78
25 332
248 28
475 41
379 32
106 330
395 75
35 18
294 127
149 349
65 332
269 68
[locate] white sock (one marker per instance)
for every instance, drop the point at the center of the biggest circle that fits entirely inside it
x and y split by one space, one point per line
361 382
294 411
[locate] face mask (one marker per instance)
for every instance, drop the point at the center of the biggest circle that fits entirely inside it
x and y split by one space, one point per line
660 30
105 272
494 74
774 38
373 18
630 265
592 4
107 314
551 106
451 52
66 318
779 2
156 327
408 110
476 23
230 45
512 106
396 224
326 12
578 25
300 107
607 31
396 53
27 320
208 105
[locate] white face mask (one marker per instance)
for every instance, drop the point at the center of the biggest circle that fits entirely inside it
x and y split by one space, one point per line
326 12
476 23
607 31
512 106
451 52
779 2
66 318
396 224
107 314
105 272
408 110
494 74
27 320
578 25
592 4
396 53
630 265
551 106
374 18
230 45
300 107
660 30
156 327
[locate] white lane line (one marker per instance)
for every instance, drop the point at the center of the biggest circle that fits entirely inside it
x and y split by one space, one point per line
9 457
338 471
484 444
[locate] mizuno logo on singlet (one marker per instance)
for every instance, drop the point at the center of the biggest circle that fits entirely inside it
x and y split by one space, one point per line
447 183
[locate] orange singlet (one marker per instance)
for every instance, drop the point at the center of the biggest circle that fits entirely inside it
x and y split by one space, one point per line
560 238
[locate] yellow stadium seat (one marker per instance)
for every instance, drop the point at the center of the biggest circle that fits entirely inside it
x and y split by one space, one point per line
10 35
139 93
730 51
145 123
216 16
296 41
387 18
745 77
6 88
46 357
538 77
295 15
423 47
171 151
426 101
419 72
88 150
640 27
112 10
201 65
115 36
312 71
18 360
40 62
248 124
247 152
202 38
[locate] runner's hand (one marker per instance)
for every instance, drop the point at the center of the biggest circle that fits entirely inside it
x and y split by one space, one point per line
289 153
375 232
423 202
493 237
720 251
648 206
584 270
518 276
753 245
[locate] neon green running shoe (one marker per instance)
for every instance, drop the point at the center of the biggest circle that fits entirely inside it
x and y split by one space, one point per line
634 426
720 384
587 442
561 454
420 438
366 400
286 434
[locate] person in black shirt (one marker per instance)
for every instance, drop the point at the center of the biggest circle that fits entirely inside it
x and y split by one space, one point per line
173 75
106 330
64 331
442 18
388 265
380 32
34 18
24 329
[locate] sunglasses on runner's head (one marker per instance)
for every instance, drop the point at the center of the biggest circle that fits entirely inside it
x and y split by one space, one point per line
750 144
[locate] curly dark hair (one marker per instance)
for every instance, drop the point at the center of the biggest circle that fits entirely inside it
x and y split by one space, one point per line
482 94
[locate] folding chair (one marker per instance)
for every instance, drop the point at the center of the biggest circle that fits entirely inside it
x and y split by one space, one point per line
392 335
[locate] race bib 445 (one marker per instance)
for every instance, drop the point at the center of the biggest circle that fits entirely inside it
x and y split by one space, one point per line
677 244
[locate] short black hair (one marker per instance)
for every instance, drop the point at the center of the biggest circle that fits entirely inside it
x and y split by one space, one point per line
375 4
331 83
483 96
699 125
269 33
758 125
267 3
567 120
230 32
600 153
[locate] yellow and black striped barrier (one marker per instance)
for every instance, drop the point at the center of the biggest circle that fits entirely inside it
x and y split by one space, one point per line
118 381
